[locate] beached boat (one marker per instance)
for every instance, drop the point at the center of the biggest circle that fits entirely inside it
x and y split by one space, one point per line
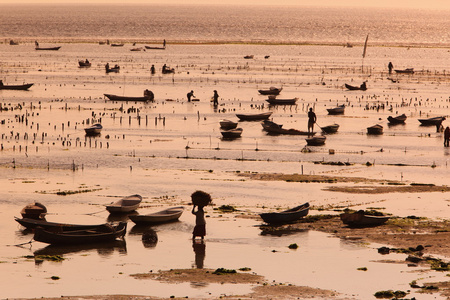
274 128
101 234
254 117
117 45
362 87
21 87
361 219
432 121
271 91
94 129
231 133
227 124
249 56
338 110
405 71
34 210
124 205
84 63
48 48
274 101
33 223
164 216
316 140
148 97
155 48
333 128
287 216
397 120
375 129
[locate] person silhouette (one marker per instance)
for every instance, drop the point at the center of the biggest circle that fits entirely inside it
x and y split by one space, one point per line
390 67
190 95
446 136
215 98
312 118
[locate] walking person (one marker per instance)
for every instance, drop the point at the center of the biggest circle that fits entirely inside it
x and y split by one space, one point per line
312 118
215 98
152 69
199 199
390 67
446 136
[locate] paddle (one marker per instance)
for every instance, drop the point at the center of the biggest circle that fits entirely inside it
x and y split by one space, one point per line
319 126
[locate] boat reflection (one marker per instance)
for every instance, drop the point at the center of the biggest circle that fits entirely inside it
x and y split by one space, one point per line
149 236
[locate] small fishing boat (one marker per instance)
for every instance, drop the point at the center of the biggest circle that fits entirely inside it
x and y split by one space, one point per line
249 56
48 48
362 87
34 210
137 49
316 140
101 234
227 124
330 128
164 216
84 63
375 129
274 101
117 45
21 87
94 129
254 117
405 71
274 128
338 110
33 223
148 96
231 133
271 91
115 69
124 205
397 120
361 219
155 48
432 121
287 216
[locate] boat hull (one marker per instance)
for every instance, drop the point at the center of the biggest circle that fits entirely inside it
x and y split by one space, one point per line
21 87
287 216
164 216
125 98
361 220
254 117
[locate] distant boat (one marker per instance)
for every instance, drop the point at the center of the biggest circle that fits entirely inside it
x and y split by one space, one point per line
227 124
13 43
339 110
21 87
114 69
287 216
360 219
271 91
274 101
148 97
48 48
432 121
316 140
164 216
117 45
231 133
375 129
254 117
405 71
33 223
137 49
274 128
397 120
330 128
155 48
249 56
84 63
94 129
124 205
362 87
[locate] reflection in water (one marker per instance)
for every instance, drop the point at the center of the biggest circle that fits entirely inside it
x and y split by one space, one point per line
279 230
199 247
120 217
149 238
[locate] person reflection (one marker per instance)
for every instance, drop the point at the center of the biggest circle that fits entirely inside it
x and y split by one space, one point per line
199 247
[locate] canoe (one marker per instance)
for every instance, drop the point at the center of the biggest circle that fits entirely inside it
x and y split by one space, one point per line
360 219
227 124
375 129
316 140
397 120
137 49
330 128
249 56
33 223
155 48
114 69
405 71
254 117
362 87
126 204
274 101
271 91
21 87
339 110
102 234
432 121
128 98
231 133
117 45
274 128
34 210
94 129
84 64
48 48
287 216
164 216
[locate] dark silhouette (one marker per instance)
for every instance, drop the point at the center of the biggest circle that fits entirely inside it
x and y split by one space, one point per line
215 98
446 136
164 43
152 69
312 118
200 222
190 95
199 247
390 67
363 86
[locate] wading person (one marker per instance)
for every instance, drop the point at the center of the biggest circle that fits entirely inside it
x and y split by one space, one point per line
190 95
199 199
446 136
390 67
312 118
215 98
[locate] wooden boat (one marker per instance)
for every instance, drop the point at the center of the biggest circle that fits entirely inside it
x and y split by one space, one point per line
112 97
254 117
115 69
375 129
48 48
274 128
330 128
274 101
164 216
231 133
101 234
13 43
362 87
271 91
21 87
360 219
155 48
33 223
287 216
432 121
249 56
94 129
316 140
405 71
124 205
397 120
338 110
117 45
34 210
227 124
84 63
137 49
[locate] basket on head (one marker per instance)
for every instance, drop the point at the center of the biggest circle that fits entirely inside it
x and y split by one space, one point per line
201 198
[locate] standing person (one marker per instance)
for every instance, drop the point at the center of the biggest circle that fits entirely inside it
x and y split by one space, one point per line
312 118
390 67
199 199
215 98
164 43
190 95
446 136
152 69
